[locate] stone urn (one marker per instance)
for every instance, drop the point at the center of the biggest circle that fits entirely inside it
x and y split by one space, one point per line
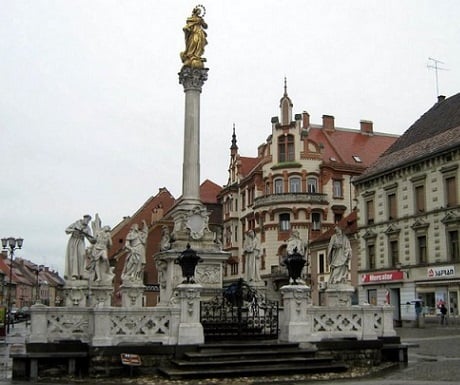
188 260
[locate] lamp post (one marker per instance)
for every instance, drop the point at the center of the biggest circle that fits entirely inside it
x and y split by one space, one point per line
11 244
37 291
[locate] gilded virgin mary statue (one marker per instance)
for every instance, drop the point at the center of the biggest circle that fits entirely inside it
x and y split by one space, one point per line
195 39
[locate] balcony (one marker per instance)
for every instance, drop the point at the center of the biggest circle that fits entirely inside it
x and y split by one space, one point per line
286 198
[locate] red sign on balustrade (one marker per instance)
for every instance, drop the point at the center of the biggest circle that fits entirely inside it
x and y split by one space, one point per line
382 277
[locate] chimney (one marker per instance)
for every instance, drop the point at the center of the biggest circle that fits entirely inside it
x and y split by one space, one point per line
305 119
328 123
366 127
441 98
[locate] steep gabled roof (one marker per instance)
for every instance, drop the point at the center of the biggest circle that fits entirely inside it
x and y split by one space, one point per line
436 131
247 164
209 191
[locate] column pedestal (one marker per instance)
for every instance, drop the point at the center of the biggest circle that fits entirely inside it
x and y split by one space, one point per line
294 326
190 328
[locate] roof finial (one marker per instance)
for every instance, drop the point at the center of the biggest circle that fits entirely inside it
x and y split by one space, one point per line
234 146
285 86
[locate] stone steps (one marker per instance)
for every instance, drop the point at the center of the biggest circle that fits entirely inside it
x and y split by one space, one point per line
251 359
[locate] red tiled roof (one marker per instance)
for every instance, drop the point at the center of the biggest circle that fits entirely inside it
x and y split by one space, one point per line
247 164
209 191
344 144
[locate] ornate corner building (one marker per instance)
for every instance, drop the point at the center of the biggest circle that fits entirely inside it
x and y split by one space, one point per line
300 180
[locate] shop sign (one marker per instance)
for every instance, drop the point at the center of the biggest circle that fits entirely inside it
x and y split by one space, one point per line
441 271
382 277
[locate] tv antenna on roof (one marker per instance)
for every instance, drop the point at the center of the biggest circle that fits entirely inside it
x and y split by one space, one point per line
436 68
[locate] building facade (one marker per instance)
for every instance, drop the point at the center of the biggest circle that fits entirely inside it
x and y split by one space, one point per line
409 217
300 180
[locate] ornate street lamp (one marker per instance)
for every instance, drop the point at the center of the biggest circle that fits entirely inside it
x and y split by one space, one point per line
11 244
295 263
188 261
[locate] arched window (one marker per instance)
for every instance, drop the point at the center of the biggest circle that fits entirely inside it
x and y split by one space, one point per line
278 186
312 184
286 148
294 184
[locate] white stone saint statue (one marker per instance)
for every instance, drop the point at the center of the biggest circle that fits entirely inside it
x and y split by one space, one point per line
135 260
75 258
98 267
252 255
339 255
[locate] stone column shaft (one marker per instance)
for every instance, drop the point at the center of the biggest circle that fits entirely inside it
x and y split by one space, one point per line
191 164
192 79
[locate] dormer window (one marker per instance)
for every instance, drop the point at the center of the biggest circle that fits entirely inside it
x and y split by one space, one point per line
357 159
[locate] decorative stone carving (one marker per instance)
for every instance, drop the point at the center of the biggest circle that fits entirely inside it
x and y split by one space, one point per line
208 274
165 242
197 222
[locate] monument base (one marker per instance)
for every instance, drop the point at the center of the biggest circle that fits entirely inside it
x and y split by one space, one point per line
100 296
131 294
76 293
339 295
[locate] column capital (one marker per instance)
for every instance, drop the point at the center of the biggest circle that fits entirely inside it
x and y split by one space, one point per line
193 78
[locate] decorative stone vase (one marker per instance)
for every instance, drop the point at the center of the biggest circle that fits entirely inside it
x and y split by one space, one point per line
188 260
295 263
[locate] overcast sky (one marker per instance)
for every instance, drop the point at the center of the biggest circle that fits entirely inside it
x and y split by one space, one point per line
91 111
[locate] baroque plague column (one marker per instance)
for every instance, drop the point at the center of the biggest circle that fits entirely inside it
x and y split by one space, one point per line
190 215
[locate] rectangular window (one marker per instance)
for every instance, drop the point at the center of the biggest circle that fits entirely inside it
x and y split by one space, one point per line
394 252
234 268
316 221
454 251
371 256
337 217
372 297
291 152
286 148
451 191
420 199
321 263
370 212
337 189
421 249
243 200
392 208
285 222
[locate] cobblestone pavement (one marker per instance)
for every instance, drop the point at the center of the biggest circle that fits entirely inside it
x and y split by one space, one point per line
434 358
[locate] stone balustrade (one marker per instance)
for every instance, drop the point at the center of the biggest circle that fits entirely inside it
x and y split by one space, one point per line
302 322
105 326
179 323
